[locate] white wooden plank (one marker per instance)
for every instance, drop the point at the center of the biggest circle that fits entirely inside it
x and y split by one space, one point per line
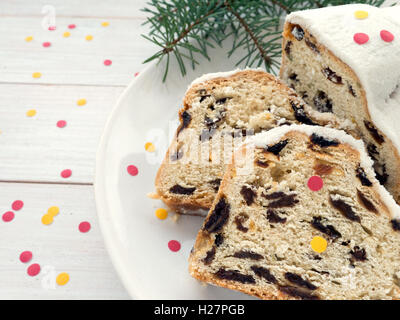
35 149
89 8
58 247
72 60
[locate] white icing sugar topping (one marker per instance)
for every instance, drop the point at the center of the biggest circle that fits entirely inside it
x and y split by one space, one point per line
376 62
266 138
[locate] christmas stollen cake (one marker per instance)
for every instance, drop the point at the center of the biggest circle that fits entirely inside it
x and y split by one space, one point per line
346 60
219 111
311 222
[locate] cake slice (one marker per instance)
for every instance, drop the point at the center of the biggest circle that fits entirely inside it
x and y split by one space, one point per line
219 111
300 215
346 60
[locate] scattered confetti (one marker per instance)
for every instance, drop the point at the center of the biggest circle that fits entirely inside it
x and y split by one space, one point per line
361 14
29 39
315 183
46 44
84 226
62 278
71 26
149 147
66 173
17 205
81 102
53 211
25 256
33 269
361 38
61 123
8 216
66 34
132 170
318 244
31 113
89 37
387 36
52 28
107 62
174 245
161 214
36 75
47 219
105 24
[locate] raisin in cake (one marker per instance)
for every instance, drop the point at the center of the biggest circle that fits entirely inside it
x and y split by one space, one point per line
256 237
346 60
219 110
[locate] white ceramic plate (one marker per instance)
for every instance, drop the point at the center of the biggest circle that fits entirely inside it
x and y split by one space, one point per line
135 238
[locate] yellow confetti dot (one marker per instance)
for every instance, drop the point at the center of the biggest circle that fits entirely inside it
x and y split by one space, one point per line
361 14
36 75
150 147
105 24
29 39
161 214
47 219
31 113
89 37
318 244
53 211
81 102
66 34
62 278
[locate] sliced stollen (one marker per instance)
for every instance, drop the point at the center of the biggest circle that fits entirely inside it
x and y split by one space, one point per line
304 187
219 111
346 60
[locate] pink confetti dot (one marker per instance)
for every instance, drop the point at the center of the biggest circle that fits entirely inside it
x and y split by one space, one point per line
107 62
52 28
61 123
136 74
132 170
66 173
315 183
174 245
46 44
84 226
361 38
71 26
17 205
25 256
387 36
8 216
33 269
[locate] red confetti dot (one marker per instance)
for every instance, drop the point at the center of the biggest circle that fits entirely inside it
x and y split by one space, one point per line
72 26
17 205
33 269
52 28
107 62
315 183
8 216
25 256
46 44
174 245
61 123
387 36
361 38
84 226
66 173
136 74
132 170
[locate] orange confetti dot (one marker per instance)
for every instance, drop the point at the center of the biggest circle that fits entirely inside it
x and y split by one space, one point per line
150 147
47 219
361 14
36 75
161 214
29 39
31 113
62 278
81 102
89 37
105 24
318 244
53 211
66 34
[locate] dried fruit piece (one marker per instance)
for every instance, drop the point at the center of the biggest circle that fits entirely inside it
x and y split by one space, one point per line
209 256
363 177
248 255
288 48
374 132
185 121
332 76
182 190
322 169
273 217
344 209
298 293
365 202
301 116
263 273
215 183
298 33
234 275
218 217
239 220
322 103
358 253
395 224
248 195
298 280
323 142
312 46
277 148
287 200
329 230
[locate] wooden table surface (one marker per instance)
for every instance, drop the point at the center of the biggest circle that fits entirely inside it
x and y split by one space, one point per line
34 151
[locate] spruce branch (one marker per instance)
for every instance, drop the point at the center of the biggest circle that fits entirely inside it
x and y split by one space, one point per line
187 29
